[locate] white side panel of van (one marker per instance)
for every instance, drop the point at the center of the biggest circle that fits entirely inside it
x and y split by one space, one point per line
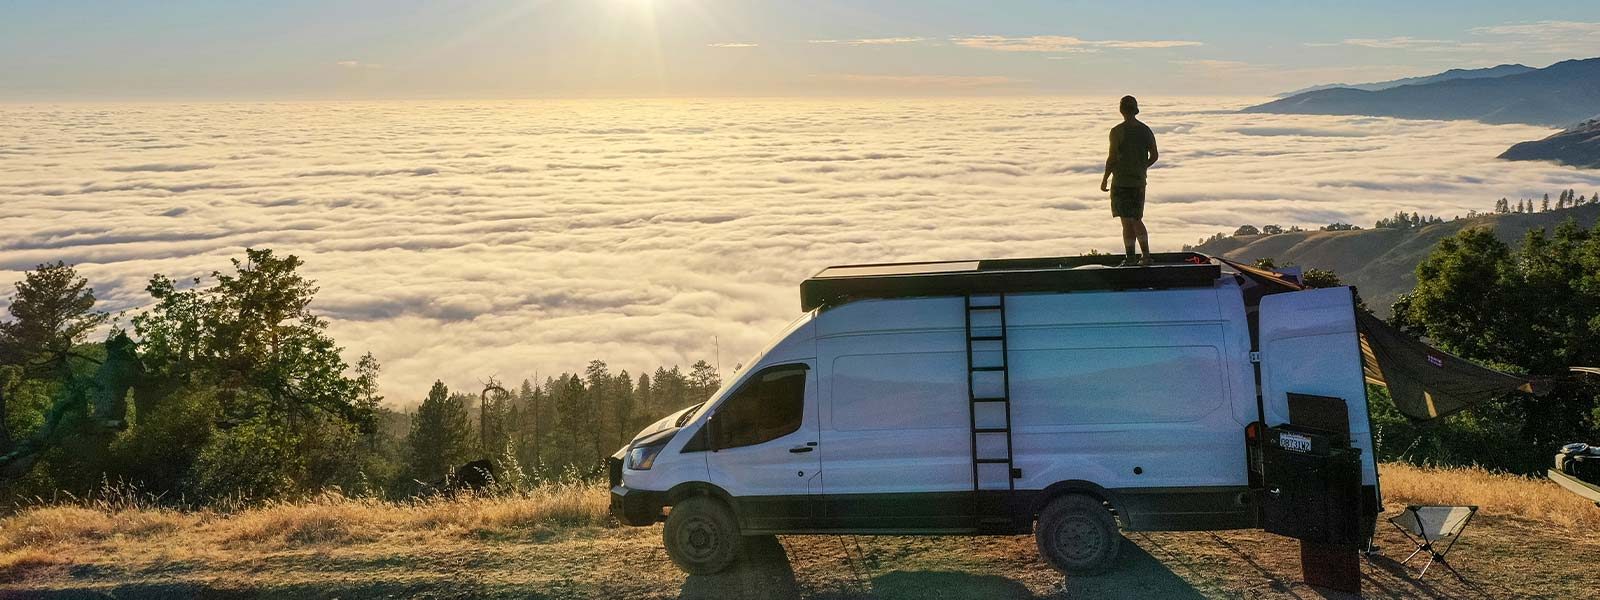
1124 405
894 397
897 424
1309 345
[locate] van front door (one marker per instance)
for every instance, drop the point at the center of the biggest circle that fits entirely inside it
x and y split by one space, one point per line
764 448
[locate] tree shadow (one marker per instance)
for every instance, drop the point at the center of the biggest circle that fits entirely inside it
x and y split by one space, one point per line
762 572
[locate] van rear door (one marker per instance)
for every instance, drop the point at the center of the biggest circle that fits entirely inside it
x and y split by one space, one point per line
1309 345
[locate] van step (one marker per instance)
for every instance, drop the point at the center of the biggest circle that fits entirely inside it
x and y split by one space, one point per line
1000 399
987 338
987 369
991 429
993 461
978 307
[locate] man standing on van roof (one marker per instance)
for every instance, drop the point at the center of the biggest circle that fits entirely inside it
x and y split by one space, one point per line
1133 150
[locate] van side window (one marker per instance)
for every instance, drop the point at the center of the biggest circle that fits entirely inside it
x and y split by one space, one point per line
767 407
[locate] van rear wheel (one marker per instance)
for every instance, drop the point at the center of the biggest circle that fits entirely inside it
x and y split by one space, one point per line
701 535
1077 535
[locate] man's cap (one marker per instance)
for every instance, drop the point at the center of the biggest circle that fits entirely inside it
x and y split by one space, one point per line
1130 105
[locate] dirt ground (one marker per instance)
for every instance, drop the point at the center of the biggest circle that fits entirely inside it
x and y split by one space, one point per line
1500 557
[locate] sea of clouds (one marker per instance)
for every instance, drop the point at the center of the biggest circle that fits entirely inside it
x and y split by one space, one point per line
460 240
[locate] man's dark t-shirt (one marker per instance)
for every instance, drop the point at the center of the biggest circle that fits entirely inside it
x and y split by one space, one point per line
1131 142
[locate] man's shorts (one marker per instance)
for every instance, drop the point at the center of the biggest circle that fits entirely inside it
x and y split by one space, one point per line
1127 202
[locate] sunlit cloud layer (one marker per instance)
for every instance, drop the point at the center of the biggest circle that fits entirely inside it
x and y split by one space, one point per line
464 240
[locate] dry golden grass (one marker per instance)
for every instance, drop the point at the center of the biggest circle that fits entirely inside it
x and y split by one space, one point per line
326 519
556 542
1497 493
332 518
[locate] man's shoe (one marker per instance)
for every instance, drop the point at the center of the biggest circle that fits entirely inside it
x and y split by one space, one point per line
1129 262
1145 262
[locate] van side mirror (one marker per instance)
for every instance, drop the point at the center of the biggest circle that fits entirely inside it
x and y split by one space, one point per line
712 440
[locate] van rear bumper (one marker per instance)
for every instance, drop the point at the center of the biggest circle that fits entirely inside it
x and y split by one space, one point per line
637 508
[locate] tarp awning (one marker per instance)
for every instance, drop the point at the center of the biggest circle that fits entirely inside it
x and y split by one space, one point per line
1427 383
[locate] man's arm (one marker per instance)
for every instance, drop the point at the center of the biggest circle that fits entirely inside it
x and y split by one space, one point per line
1153 153
1105 185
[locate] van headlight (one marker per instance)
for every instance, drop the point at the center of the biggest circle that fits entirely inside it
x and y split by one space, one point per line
643 457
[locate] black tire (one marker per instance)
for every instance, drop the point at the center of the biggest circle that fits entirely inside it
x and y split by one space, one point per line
701 535
1077 535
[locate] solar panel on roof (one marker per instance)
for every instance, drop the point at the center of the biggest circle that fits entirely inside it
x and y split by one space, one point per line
836 285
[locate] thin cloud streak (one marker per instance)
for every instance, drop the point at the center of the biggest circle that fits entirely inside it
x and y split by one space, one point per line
1061 43
886 41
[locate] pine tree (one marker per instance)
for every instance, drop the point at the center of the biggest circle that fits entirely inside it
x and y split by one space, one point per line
528 425
643 396
622 392
441 434
703 380
574 416
599 416
52 311
1546 206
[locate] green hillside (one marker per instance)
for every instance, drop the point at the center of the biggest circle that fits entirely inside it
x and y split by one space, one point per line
1381 263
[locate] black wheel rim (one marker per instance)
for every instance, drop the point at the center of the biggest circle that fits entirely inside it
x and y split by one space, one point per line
1078 539
699 539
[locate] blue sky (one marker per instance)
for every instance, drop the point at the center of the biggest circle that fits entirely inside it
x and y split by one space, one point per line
181 49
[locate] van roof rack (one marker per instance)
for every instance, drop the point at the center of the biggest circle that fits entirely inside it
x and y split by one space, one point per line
840 284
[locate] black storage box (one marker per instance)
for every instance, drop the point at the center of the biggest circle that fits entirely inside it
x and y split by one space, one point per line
1313 483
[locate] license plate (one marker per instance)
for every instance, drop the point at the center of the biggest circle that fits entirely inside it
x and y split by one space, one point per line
1297 443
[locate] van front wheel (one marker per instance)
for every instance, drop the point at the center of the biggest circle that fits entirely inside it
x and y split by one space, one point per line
701 535
1077 534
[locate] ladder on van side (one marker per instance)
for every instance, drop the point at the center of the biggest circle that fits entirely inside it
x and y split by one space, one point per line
989 408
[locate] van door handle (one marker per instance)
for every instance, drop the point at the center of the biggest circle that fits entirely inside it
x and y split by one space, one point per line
801 449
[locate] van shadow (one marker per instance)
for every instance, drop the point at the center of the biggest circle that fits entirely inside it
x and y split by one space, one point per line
1137 574
763 572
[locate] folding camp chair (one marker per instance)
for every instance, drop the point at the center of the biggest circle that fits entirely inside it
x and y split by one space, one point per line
1426 526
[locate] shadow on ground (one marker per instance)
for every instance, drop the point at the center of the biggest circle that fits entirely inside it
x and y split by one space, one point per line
764 573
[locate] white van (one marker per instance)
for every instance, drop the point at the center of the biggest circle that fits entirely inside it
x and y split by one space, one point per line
988 397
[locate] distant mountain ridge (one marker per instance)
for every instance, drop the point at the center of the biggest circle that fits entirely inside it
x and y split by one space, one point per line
1489 72
1578 146
1382 263
1557 95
